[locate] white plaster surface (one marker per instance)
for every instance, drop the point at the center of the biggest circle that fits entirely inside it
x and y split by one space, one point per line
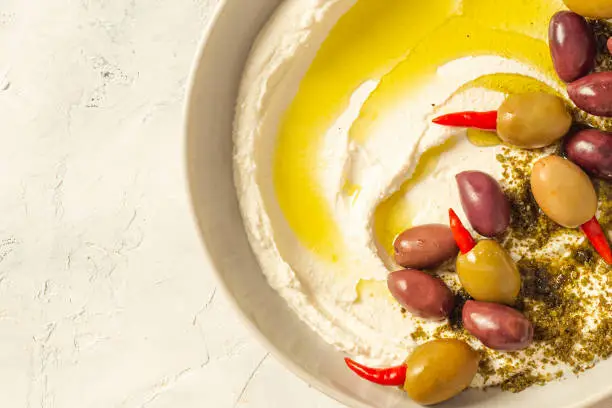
105 301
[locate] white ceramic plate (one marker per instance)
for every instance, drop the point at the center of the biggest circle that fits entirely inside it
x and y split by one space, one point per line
209 115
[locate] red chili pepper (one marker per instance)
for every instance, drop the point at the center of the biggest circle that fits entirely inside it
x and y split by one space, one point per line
592 229
462 236
392 376
478 120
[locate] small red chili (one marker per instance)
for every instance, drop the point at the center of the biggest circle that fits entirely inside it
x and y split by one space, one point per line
462 236
478 120
593 231
392 376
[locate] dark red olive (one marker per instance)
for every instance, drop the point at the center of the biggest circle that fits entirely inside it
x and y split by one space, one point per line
484 203
572 45
593 93
421 294
591 149
498 327
425 246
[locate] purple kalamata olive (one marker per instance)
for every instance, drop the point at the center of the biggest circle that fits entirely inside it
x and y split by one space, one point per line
572 45
484 203
593 93
425 246
421 294
591 149
498 327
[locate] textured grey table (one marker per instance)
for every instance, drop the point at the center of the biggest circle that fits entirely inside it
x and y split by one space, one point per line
104 298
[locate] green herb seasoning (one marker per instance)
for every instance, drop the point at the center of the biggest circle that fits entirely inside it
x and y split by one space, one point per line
564 293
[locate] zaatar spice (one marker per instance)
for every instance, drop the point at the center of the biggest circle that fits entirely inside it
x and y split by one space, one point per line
560 292
573 326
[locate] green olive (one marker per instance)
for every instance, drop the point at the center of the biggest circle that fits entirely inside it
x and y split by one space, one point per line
489 274
533 120
591 8
440 370
563 191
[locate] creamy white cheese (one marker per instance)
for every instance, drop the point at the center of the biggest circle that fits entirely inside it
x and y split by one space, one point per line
371 328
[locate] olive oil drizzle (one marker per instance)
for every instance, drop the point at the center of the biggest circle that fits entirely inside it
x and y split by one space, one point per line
400 42
394 215
483 138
